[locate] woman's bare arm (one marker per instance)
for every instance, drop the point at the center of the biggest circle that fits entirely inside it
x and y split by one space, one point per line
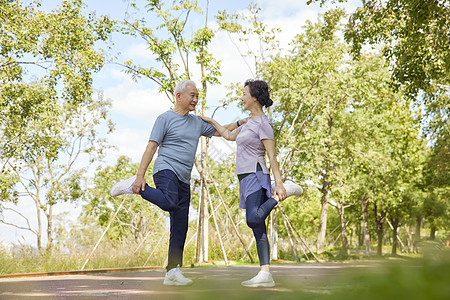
279 190
222 130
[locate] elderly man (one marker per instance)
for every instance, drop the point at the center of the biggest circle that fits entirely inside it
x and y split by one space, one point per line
176 132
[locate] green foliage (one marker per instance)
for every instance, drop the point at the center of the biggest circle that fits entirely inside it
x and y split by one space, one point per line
340 125
43 164
304 212
7 192
415 38
109 254
436 209
168 42
48 121
63 43
223 174
137 217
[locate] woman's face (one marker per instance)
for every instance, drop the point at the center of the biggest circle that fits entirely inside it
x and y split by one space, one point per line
247 100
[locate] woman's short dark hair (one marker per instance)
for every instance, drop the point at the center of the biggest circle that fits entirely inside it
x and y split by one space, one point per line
260 90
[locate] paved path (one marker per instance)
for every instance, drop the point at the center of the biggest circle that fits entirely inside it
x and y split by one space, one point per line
209 283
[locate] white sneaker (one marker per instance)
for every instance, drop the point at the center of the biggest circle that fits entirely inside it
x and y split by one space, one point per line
263 279
292 189
176 277
123 187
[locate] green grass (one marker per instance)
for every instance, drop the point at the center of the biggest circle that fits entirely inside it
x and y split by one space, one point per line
25 259
426 278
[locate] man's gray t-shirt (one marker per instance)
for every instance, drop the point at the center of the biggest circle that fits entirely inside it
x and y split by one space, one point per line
177 136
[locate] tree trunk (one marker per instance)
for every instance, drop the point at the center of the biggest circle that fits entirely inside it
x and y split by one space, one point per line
379 225
418 225
351 239
394 222
365 213
359 233
433 232
324 190
410 240
50 228
323 216
202 230
341 209
39 230
417 234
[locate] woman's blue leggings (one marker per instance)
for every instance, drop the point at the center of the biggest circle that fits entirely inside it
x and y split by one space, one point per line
258 207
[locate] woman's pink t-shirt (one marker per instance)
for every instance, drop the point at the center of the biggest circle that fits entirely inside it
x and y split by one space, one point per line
250 149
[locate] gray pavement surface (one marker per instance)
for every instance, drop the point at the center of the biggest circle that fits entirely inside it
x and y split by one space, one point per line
209 283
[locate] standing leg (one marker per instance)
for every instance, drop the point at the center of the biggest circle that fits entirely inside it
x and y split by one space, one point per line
178 231
179 227
258 208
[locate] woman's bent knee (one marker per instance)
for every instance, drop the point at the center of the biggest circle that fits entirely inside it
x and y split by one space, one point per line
254 223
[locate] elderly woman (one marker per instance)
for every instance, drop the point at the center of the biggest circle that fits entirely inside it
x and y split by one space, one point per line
254 139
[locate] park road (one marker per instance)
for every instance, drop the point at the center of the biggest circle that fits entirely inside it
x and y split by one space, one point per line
209 283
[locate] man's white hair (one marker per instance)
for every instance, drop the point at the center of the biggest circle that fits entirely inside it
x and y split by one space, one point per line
181 86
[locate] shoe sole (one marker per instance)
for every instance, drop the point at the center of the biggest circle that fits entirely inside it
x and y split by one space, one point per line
115 188
297 192
271 284
177 284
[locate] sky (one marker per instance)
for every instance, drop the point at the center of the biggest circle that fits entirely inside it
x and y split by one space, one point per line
136 104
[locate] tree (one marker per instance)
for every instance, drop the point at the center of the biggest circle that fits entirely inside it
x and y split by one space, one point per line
414 38
390 169
312 92
61 44
344 129
44 167
46 119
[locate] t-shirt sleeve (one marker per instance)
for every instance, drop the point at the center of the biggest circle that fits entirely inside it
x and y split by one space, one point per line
207 129
159 130
265 131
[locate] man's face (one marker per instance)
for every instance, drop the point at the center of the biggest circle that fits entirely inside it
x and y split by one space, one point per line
189 98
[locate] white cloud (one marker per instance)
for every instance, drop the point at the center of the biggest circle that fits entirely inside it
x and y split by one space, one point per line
139 52
277 9
133 100
130 142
